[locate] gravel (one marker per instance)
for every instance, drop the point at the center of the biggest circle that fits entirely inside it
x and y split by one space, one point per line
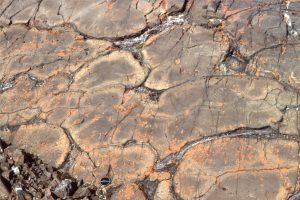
24 176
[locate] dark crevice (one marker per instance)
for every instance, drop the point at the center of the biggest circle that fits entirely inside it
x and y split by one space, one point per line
135 42
129 142
122 38
4 10
217 5
5 85
153 94
72 153
34 120
148 187
294 196
110 191
176 196
10 82
9 128
37 10
36 82
187 6
233 59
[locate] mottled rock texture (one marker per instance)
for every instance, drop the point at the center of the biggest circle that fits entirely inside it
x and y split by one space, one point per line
170 99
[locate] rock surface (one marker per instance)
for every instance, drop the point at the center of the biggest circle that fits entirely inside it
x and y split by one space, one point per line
166 99
238 169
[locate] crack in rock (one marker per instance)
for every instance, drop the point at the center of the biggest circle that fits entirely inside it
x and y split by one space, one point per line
134 44
266 132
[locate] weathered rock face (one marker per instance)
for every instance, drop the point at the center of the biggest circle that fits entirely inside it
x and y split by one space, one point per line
129 164
44 53
129 192
238 169
115 68
207 107
168 99
180 54
99 19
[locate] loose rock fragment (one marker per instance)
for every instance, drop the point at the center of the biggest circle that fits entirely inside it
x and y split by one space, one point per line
16 170
64 189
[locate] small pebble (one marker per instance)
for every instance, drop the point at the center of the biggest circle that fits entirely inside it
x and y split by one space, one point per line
16 170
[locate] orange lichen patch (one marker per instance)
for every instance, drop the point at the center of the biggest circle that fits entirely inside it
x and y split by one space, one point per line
228 127
73 49
68 50
110 5
50 32
176 145
159 176
29 46
61 53
79 39
162 16
258 72
148 114
225 8
164 4
143 6
18 102
129 192
163 190
142 135
127 96
151 39
125 110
